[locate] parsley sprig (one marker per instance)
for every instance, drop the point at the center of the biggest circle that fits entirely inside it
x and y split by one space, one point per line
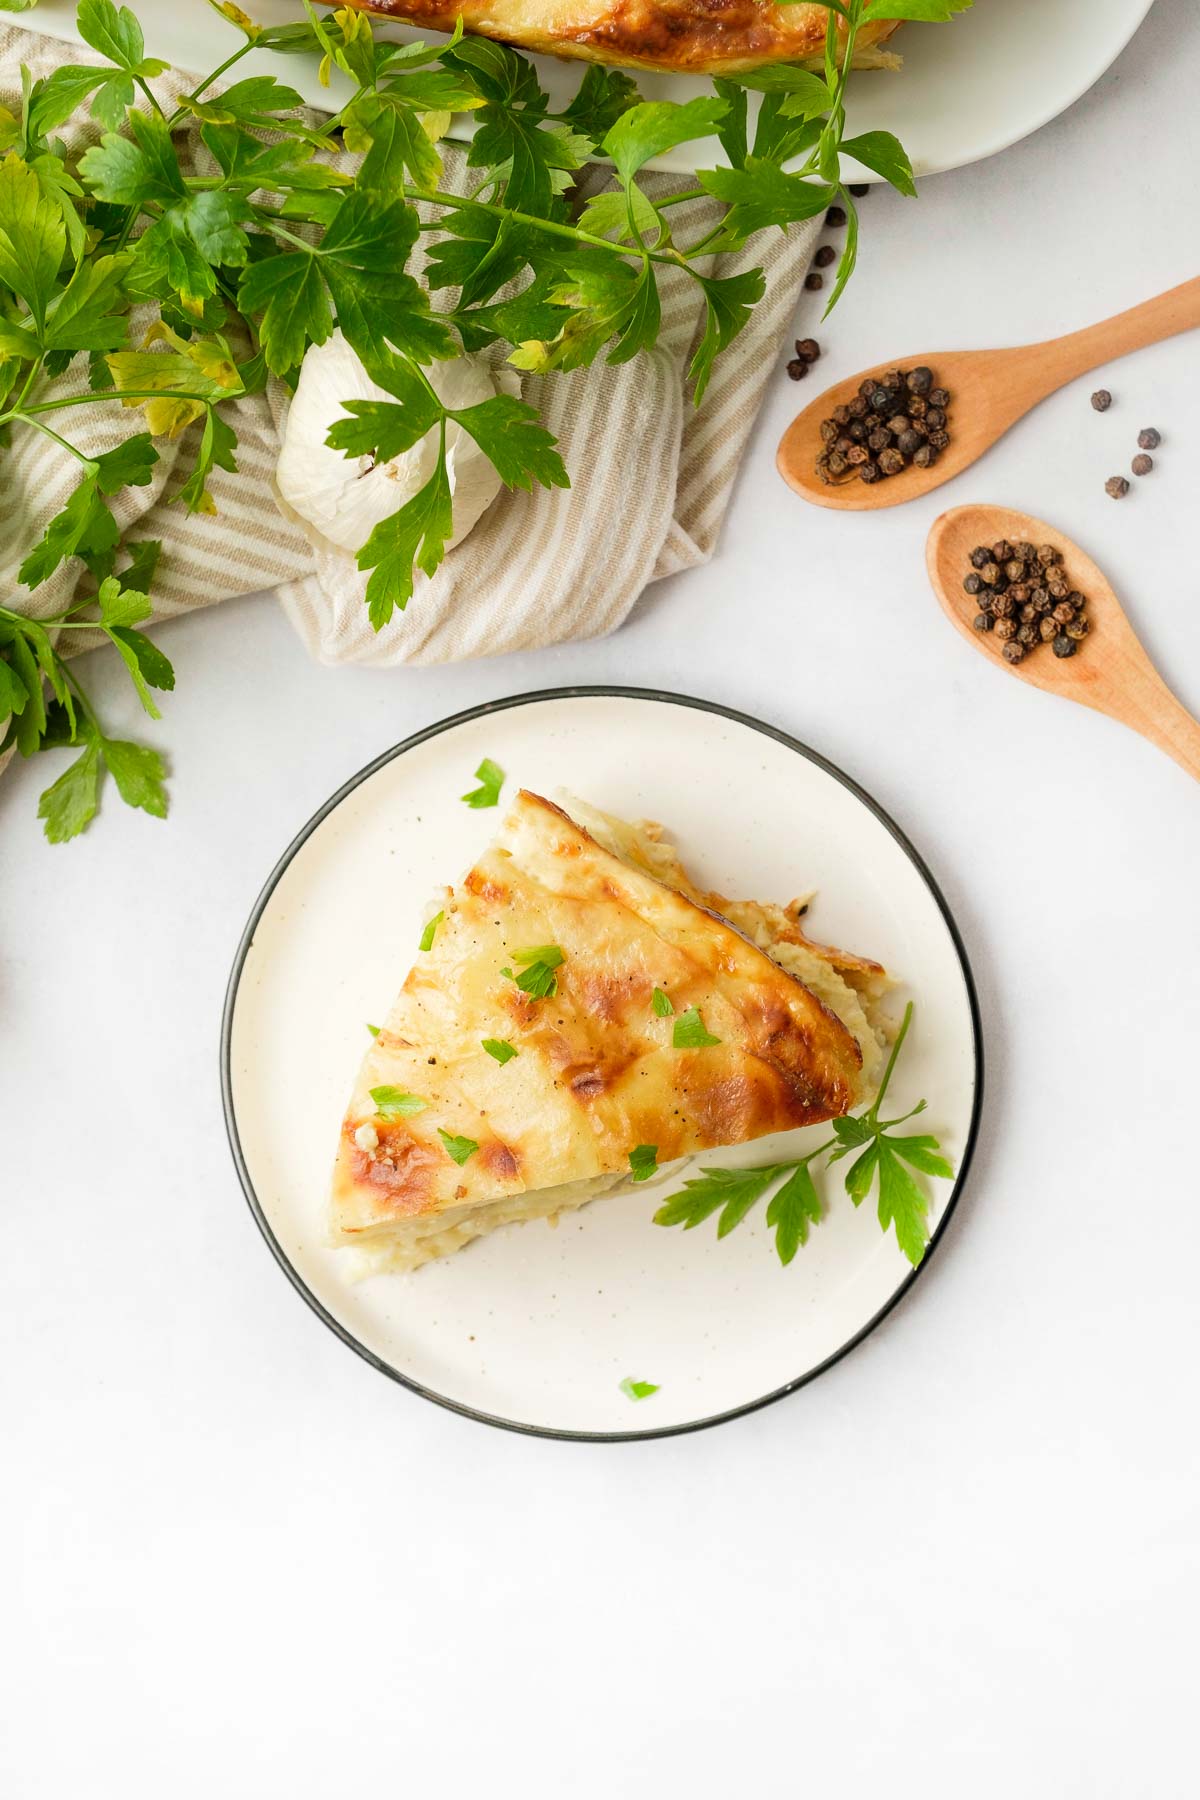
259 246
882 1157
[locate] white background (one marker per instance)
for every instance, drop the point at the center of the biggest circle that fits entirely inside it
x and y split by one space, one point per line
966 1561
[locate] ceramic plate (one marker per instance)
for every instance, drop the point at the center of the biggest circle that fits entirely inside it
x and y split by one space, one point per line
536 1327
966 89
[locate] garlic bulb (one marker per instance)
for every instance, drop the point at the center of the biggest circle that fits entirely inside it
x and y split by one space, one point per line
340 499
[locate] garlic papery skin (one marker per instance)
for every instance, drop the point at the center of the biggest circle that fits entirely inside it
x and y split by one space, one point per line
341 499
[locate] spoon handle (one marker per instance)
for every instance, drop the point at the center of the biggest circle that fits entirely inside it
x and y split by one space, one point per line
1177 310
1152 709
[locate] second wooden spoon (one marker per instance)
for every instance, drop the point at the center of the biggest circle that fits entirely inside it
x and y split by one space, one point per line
989 389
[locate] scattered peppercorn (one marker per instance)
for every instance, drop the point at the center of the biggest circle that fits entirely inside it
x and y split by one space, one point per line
1117 486
807 349
825 255
1142 464
1101 400
897 427
836 215
813 281
859 189
1025 598
796 369
1149 439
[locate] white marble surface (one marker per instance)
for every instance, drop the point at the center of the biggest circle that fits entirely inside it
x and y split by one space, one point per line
968 1559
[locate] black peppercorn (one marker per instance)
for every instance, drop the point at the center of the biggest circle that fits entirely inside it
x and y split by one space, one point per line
858 407
917 407
1021 593
857 454
925 457
919 380
1048 630
898 423
1014 568
836 216
983 621
1077 629
856 431
1142 464
1014 652
1026 552
1149 439
935 417
797 369
879 439
990 573
813 281
1005 628
1041 599
891 462
1001 550
825 255
972 583
938 396
894 381
1047 555
980 554
869 471
1064 612
829 431
1057 584
1116 486
837 463
844 441
842 415
1004 606
859 189
909 441
1063 645
939 439
1101 400
880 399
1029 614
808 349
1027 635
1076 599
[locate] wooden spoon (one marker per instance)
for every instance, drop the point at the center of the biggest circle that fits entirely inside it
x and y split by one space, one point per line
989 391
1110 671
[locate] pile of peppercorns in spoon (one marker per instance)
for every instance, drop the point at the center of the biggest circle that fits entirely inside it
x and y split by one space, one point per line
893 420
1025 598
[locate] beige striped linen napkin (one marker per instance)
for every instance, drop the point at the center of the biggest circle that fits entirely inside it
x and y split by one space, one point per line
651 477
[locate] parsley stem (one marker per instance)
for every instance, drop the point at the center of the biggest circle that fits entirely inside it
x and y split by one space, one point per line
196 92
437 198
146 89
27 418
873 1113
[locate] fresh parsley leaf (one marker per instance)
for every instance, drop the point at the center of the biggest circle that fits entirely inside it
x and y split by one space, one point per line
84 523
148 667
791 1210
69 804
373 1029
637 1390
880 151
490 777
933 12
602 97
500 1048
460 1149
537 978
729 300
651 127
413 537
394 1103
430 931
689 1032
760 195
519 448
734 1190
288 292
661 1003
14 696
139 773
33 239
643 1161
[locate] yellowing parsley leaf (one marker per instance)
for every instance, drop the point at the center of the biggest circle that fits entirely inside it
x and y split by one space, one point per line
430 931
500 1048
373 1029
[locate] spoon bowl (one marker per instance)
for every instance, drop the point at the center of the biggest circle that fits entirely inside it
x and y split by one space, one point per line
1110 672
989 391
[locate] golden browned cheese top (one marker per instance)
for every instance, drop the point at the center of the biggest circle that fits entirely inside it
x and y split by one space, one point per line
697 36
596 1071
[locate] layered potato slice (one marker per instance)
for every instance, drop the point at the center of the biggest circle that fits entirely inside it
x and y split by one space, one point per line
443 1140
694 37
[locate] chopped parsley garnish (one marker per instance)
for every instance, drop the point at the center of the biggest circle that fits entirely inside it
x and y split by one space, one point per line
643 1161
460 1148
394 1103
373 1029
662 1004
430 931
638 1390
690 1034
538 978
490 777
500 1048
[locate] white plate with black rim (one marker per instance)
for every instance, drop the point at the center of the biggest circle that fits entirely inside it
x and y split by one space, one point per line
538 1328
965 90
